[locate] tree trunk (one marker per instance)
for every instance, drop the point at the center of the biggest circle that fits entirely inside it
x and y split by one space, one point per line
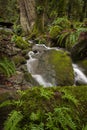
27 14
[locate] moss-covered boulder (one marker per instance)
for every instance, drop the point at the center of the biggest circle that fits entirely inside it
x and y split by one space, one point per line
53 67
62 65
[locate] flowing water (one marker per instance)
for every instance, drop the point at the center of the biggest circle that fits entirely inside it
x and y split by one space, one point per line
79 75
32 68
32 65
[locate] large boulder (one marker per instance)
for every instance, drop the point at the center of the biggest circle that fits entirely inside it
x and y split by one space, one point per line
54 67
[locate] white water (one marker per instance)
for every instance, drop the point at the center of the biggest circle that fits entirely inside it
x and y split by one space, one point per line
79 75
32 65
41 81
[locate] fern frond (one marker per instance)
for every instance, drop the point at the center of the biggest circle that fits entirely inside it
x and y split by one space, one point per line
4 69
84 128
13 120
62 116
7 67
6 103
69 97
62 37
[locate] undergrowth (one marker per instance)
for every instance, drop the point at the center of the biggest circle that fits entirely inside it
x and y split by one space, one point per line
48 109
7 67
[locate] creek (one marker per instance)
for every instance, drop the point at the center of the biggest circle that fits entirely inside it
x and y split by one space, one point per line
44 76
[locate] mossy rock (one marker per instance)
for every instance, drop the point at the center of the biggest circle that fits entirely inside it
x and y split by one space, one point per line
18 60
30 79
54 66
62 65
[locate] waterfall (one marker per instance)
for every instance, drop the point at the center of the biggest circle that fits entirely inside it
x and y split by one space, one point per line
79 75
32 65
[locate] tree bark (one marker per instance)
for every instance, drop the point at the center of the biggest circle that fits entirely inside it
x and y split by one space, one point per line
27 14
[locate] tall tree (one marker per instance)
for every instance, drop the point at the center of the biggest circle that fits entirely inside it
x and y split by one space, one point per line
27 14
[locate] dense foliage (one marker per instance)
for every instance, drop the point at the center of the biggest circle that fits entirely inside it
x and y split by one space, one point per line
58 23
49 109
9 11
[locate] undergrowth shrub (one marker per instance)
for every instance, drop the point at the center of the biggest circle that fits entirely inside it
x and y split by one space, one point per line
17 29
63 22
49 109
12 122
54 31
20 42
70 37
66 33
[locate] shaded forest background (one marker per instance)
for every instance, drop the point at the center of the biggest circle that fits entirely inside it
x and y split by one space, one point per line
41 12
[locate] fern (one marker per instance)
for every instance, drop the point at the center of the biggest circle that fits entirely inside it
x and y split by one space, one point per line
62 22
6 103
36 127
46 93
69 97
60 118
35 116
81 29
13 120
70 37
62 37
84 128
50 123
7 67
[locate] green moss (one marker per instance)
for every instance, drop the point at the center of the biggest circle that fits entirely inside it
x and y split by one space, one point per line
20 43
54 31
19 60
63 67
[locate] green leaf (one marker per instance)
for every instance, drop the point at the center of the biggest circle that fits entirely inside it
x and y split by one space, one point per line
12 122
